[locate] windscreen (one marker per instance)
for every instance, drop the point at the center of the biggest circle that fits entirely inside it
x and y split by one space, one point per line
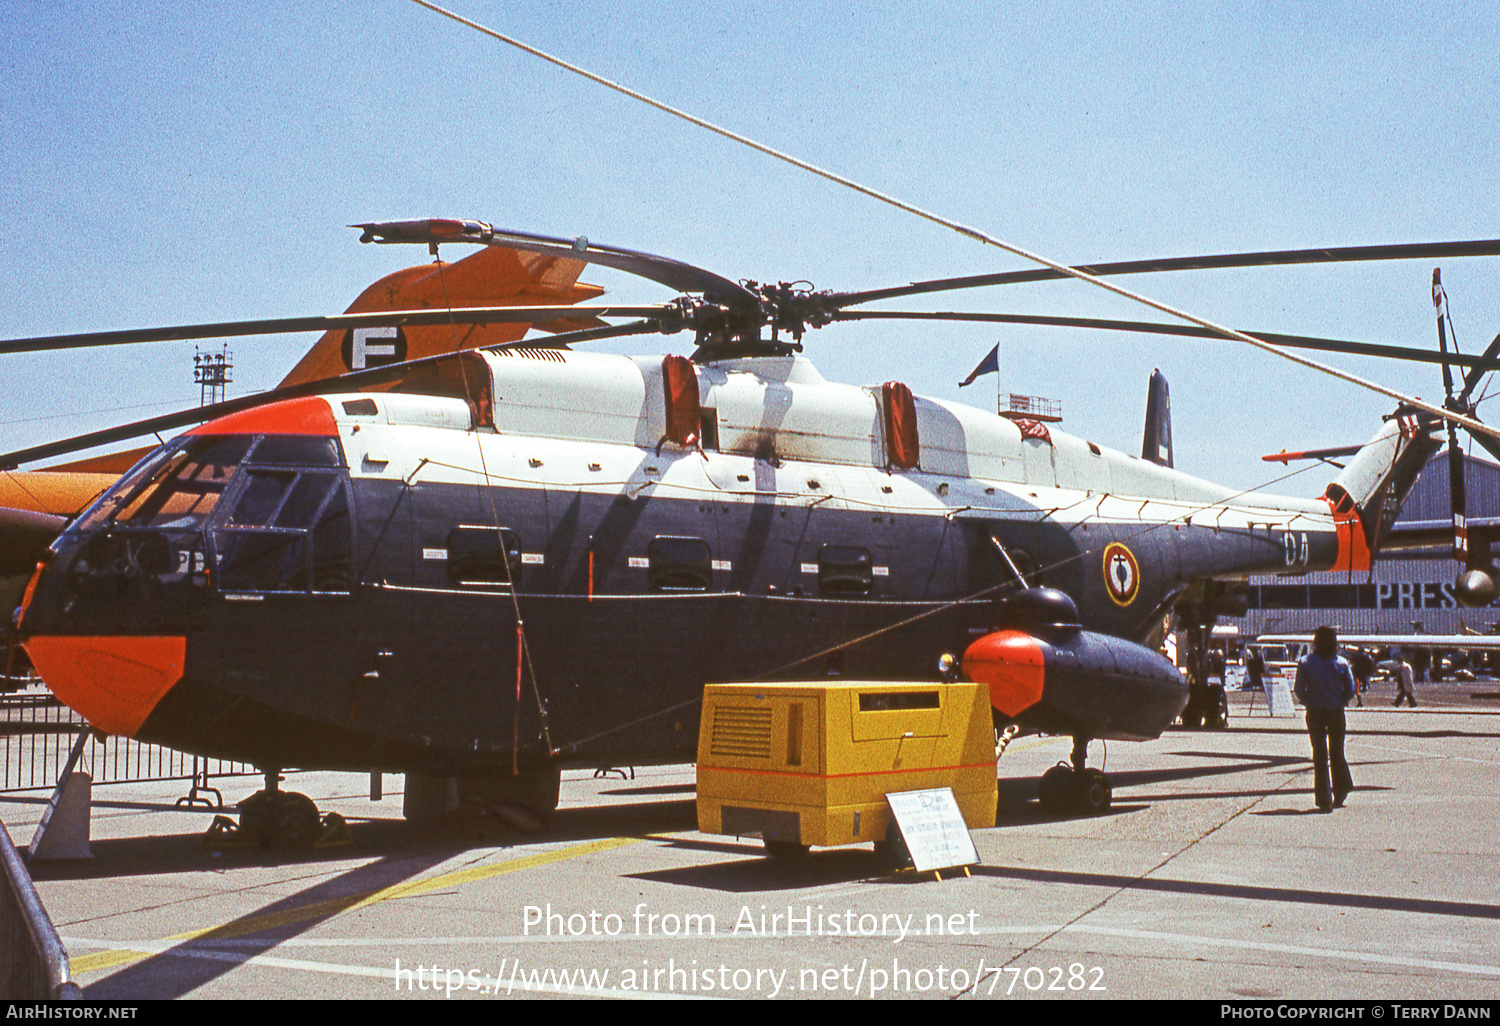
175 488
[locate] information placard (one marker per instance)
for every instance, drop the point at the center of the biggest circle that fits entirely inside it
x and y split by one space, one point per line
1279 696
933 828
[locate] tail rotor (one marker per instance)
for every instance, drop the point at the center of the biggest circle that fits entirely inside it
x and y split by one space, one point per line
1478 582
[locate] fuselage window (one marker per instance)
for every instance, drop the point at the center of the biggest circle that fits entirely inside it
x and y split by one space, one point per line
845 570
1016 564
680 564
708 432
484 555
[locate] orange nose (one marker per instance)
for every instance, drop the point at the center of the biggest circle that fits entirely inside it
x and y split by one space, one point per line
1012 664
113 682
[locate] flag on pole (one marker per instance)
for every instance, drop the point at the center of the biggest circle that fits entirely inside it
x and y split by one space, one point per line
989 365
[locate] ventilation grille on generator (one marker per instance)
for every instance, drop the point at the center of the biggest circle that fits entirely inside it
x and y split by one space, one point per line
745 733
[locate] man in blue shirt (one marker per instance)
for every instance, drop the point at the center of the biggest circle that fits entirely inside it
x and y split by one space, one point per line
1324 686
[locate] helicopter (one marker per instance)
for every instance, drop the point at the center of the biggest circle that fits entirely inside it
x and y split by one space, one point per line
479 601
479 568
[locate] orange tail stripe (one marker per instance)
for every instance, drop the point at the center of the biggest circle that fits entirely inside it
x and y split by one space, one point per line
1354 547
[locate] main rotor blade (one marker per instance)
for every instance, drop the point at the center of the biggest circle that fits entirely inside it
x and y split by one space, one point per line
981 237
1345 254
282 325
1479 363
1477 371
672 273
343 382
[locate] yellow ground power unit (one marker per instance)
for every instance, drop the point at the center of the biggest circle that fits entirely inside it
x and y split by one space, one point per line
811 763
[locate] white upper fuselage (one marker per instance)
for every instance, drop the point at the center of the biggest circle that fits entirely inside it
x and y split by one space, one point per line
583 420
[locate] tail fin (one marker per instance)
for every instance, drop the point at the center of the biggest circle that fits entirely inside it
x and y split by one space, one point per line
1156 446
1377 480
492 277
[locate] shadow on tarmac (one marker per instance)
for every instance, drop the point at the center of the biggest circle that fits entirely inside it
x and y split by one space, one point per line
402 852
1337 899
198 961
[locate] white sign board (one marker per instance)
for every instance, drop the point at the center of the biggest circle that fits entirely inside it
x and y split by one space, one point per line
1279 696
933 828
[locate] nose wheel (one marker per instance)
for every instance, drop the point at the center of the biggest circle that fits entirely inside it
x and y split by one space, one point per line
1075 788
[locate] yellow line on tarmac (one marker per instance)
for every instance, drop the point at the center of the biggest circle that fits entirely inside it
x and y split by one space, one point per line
333 906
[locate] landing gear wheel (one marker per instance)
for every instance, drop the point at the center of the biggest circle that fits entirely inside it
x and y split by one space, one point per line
786 851
295 821
1094 792
1218 719
892 852
1055 792
282 819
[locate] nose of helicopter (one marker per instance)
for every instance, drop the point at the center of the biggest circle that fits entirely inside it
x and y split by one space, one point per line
113 682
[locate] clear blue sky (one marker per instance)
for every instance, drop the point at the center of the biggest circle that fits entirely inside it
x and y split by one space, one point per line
180 163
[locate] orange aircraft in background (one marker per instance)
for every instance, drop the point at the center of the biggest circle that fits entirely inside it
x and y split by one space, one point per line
35 505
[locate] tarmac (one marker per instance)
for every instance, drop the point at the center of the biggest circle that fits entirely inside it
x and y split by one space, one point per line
1212 876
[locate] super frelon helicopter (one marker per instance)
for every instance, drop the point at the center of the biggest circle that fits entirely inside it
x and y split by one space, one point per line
482 567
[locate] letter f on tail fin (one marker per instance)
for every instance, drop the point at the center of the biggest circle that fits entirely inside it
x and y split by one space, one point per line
494 276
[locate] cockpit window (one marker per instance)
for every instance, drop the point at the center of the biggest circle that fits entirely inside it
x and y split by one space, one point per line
288 531
298 451
261 497
184 489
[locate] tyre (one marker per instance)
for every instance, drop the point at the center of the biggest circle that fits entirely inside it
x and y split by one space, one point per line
786 851
1094 791
295 822
1055 793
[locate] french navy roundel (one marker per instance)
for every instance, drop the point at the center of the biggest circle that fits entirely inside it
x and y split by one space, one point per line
1122 574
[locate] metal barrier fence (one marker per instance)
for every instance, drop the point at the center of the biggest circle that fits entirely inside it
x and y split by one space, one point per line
33 964
37 731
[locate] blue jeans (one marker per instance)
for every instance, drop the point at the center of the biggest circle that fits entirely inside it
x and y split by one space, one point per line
1325 728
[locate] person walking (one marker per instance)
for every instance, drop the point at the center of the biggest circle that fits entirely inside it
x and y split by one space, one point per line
1324 685
1404 678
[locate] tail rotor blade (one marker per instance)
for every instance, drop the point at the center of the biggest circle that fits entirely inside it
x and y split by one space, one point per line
1456 495
1440 304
